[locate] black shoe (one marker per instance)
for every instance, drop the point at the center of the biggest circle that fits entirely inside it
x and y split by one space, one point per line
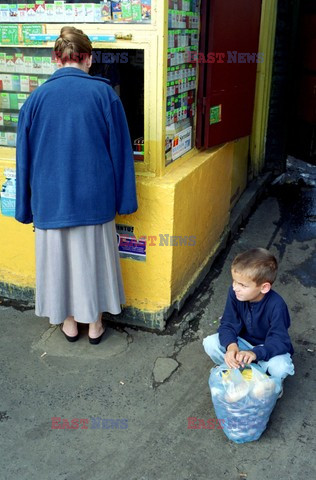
96 341
70 339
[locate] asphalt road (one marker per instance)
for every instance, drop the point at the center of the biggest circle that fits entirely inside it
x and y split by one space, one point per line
135 391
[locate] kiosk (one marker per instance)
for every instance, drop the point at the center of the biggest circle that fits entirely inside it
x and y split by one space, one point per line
149 49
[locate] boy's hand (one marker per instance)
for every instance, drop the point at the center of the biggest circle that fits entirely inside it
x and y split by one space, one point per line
231 356
245 357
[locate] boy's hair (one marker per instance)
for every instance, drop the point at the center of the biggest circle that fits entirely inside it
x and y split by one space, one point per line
258 264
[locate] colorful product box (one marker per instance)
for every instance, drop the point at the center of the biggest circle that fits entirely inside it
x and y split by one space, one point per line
11 139
30 12
47 65
25 83
14 101
116 6
50 12
97 12
22 12
4 100
13 13
9 34
41 81
126 10
4 12
19 62
146 9
16 85
10 65
136 10
1 119
40 11
7 120
3 61
3 139
7 81
59 16
26 30
28 64
14 119
69 12
106 11
33 82
21 97
37 65
89 12
79 12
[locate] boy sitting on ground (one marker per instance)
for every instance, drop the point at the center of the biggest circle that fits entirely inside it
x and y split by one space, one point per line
254 326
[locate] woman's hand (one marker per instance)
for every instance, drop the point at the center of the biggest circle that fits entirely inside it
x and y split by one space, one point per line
231 356
246 357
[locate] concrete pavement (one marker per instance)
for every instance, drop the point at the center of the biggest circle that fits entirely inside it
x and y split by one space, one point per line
156 381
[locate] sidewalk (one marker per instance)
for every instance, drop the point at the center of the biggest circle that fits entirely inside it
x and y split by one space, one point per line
157 381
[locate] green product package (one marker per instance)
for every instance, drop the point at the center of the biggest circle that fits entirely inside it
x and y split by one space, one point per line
37 64
215 114
31 29
25 83
136 10
3 138
4 100
21 97
28 64
9 34
14 119
7 120
14 105
126 10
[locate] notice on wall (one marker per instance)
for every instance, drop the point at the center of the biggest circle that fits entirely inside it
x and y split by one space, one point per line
215 114
8 193
129 246
181 143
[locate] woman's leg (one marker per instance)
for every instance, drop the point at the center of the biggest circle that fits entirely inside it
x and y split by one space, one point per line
96 329
70 327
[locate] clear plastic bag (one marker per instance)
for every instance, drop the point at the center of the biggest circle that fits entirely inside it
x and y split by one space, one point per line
243 400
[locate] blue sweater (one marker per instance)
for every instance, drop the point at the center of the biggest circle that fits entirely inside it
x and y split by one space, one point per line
263 323
74 156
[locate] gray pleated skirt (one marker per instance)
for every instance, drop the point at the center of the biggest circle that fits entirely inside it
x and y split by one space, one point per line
78 273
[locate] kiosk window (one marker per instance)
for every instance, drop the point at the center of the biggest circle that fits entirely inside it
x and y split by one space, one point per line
125 70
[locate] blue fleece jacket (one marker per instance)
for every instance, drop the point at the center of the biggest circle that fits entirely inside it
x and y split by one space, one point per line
264 324
74 156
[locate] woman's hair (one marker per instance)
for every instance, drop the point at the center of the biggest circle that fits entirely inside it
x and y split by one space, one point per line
258 264
72 45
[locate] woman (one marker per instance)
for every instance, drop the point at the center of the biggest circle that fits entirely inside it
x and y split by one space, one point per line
75 170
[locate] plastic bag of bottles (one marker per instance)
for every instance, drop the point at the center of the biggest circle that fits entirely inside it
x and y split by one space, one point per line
243 400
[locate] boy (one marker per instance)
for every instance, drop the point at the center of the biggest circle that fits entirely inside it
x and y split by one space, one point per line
254 326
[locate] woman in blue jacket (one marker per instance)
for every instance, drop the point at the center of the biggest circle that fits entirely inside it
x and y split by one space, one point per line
75 170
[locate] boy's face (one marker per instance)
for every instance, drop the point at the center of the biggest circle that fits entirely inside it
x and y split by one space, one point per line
246 290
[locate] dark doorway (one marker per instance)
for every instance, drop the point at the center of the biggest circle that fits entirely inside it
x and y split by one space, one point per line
292 114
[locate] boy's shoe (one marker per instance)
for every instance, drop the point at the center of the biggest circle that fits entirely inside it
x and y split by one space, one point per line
281 393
